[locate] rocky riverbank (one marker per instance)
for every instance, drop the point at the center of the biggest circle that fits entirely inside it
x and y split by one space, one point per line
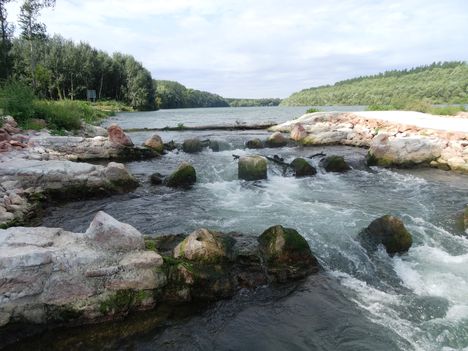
394 138
49 275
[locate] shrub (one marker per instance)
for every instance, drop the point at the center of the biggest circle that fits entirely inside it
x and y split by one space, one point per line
376 107
58 114
312 110
448 110
16 99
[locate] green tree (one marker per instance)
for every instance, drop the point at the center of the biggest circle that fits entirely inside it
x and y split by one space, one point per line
6 32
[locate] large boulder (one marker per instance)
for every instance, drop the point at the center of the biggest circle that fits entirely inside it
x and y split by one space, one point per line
119 176
302 168
298 132
252 168
254 144
108 233
192 146
205 246
183 177
155 143
335 164
118 136
286 253
276 140
388 231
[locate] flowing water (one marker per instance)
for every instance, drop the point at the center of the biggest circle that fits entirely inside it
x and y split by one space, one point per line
417 301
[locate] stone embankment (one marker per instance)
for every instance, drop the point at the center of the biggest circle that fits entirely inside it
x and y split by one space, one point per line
36 166
394 138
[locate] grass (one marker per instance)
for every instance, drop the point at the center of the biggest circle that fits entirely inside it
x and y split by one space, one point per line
419 106
18 100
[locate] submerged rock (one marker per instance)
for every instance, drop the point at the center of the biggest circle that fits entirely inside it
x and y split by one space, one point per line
335 164
156 178
302 168
252 168
388 231
465 218
206 246
118 136
155 143
192 146
254 144
287 254
217 145
183 177
276 140
298 132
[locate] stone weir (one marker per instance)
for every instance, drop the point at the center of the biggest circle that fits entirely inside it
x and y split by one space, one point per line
394 138
55 277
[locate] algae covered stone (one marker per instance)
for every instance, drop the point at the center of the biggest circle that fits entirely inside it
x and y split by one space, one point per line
335 163
254 144
276 140
252 167
204 245
184 176
286 253
388 231
192 146
302 168
155 143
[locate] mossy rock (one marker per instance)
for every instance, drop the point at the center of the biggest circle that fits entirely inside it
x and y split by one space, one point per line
183 177
465 218
335 163
252 168
302 168
204 245
276 140
254 144
286 253
192 146
388 231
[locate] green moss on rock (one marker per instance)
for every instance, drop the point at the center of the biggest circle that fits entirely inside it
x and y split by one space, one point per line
335 163
302 168
252 168
388 231
183 177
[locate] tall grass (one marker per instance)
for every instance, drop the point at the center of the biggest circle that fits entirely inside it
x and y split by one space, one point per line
18 100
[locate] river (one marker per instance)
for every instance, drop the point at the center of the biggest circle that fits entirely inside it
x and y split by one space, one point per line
416 301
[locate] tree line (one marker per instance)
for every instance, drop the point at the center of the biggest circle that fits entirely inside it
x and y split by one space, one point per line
437 83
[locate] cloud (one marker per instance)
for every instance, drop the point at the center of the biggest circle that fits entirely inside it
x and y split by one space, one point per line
266 48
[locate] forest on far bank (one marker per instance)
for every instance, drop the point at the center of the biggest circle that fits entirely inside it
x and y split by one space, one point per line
437 83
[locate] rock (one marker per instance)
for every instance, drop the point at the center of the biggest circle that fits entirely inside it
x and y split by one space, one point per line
335 164
118 136
192 146
110 234
156 178
91 131
254 144
155 142
302 168
9 120
252 168
287 254
276 140
298 132
4 135
119 176
388 231
204 245
216 145
184 176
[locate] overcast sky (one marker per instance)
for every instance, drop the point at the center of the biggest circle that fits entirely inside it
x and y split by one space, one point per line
266 48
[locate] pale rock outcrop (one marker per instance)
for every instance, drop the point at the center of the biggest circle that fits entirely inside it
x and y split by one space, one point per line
276 140
49 273
298 132
23 183
155 143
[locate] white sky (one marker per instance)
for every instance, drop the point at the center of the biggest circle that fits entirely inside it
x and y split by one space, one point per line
266 48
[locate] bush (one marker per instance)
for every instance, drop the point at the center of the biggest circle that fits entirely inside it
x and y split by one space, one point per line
16 99
58 114
312 110
376 107
448 110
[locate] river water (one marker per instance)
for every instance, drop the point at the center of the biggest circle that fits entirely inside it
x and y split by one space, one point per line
417 301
